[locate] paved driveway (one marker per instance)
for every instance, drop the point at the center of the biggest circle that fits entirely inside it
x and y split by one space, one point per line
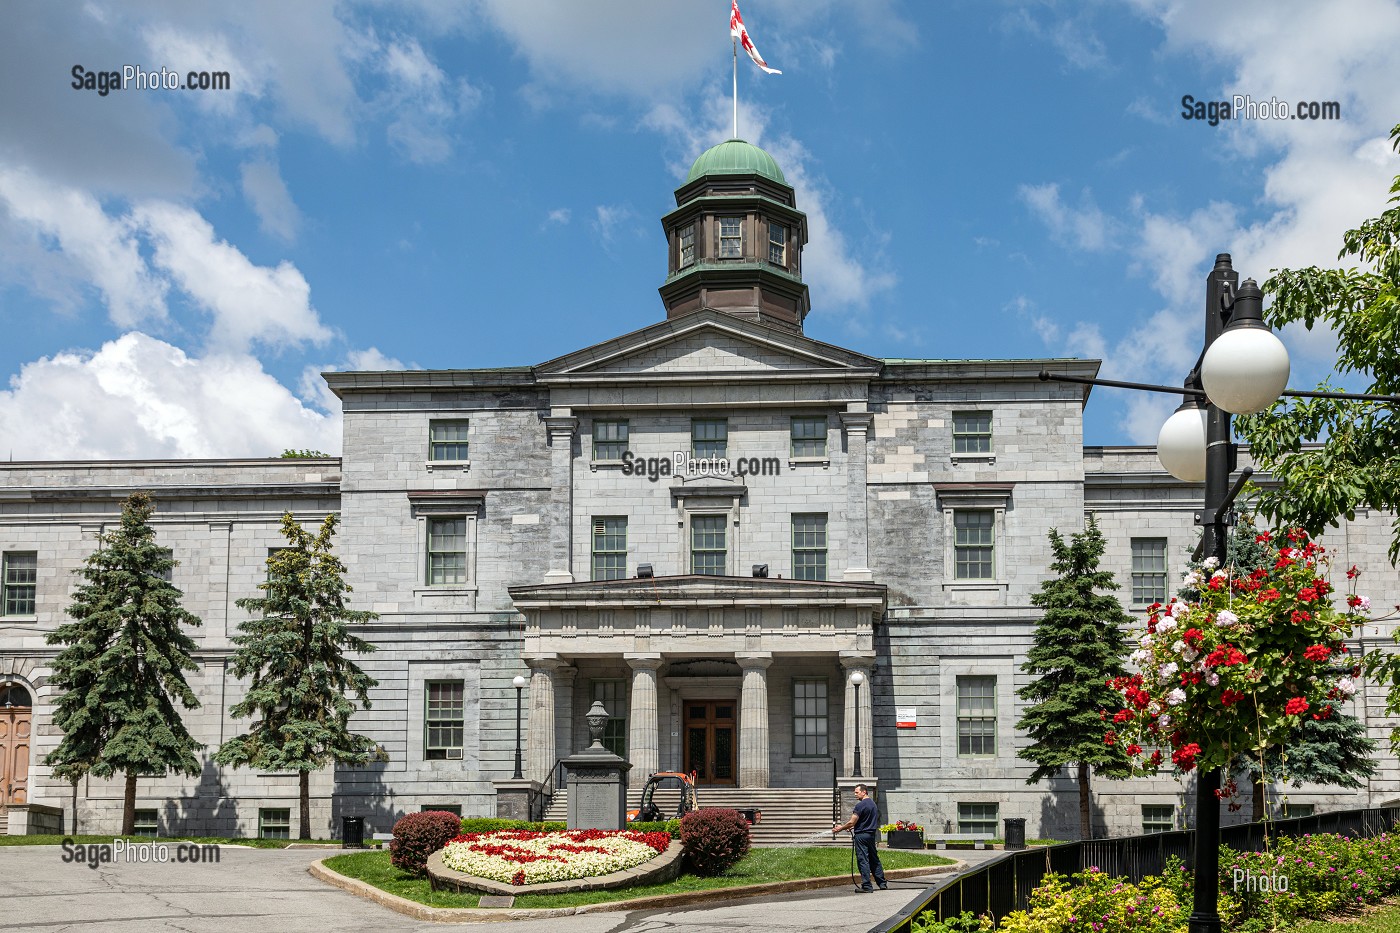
269 891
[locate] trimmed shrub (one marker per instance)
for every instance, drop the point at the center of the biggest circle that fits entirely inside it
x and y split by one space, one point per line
418 836
714 840
673 827
489 824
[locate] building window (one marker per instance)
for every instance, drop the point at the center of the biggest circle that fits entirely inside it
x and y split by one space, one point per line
777 244
1293 811
979 819
1149 571
21 575
809 547
809 718
686 243
146 823
1158 818
609 440
977 716
973 544
275 823
447 551
443 721
972 432
809 436
447 440
454 808
709 437
610 548
613 695
731 237
707 549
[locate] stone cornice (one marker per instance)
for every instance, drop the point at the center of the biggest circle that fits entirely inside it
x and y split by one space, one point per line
695 590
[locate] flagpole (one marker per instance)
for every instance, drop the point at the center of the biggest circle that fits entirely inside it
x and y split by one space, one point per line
735 41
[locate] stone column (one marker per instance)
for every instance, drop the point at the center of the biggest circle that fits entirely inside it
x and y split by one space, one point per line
857 425
561 429
643 724
540 749
862 716
753 719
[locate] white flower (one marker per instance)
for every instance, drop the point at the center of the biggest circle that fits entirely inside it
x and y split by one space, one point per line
1137 657
1189 654
1176 697
1210 563
1364 605
1198 666
1154 708
1218 575
1347 686
556 864
1167 672
1146 640
1179 646
1213 679
1166 625
1164 721
1225 618
1193 580
1180 610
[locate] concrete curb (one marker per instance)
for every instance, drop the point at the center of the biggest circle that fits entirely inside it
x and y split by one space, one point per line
419 911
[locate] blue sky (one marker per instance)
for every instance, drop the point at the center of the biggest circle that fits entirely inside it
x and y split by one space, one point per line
414 184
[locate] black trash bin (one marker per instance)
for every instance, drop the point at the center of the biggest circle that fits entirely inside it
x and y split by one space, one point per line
352 832
1015 832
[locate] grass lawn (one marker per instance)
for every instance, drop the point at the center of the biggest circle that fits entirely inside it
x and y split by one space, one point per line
215 840
758 867
1385 920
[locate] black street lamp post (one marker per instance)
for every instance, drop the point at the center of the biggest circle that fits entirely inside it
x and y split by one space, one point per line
519 683
856 679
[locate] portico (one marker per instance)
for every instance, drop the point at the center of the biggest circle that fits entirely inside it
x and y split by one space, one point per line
734 678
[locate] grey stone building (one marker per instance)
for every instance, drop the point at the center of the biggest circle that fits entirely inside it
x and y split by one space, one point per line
760 551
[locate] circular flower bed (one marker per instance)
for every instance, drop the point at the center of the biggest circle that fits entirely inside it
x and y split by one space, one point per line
518 857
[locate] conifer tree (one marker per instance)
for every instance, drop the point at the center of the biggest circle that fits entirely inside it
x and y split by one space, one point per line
124 664
294 651
1079 646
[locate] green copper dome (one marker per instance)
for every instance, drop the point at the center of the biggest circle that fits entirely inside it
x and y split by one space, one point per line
736 157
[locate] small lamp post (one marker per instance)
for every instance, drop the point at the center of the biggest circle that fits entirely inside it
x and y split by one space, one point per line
519 683
857 678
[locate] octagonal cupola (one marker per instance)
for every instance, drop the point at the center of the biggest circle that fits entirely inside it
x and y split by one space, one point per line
735 240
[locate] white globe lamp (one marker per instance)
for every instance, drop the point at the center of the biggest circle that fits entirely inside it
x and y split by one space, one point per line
1246 368
1181 444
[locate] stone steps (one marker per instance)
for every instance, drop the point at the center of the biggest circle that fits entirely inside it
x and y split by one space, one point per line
4 824
791 815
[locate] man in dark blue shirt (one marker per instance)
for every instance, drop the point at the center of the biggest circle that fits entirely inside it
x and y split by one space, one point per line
864 825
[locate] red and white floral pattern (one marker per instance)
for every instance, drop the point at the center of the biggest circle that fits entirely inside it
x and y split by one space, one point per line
520 858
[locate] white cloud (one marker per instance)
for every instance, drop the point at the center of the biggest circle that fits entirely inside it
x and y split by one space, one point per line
1085 227
558 217
607 218
424 101
138 397
267 193
248 302
103 249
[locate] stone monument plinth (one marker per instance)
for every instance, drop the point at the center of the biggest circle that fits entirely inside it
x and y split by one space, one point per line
597 780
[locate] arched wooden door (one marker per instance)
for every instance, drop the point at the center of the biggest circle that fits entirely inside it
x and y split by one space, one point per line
16 720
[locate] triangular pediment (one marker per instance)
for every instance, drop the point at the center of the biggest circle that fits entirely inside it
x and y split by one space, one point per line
707 342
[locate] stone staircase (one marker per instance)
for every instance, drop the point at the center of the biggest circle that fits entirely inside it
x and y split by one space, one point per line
4 823
791 815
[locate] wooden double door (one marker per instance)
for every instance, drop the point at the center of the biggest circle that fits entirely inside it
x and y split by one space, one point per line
711 740
14 754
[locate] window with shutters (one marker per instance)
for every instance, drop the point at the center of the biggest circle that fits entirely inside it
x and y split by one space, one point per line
610 548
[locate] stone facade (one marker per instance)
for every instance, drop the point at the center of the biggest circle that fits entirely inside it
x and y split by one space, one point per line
488 522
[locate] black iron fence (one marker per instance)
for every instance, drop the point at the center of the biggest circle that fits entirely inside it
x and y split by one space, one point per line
1001 886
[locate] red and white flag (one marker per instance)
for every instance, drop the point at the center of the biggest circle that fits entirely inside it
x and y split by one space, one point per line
737 30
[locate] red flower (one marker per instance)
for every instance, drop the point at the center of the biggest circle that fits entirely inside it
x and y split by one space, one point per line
1353 573
1156 758
1110 737
1300 616
1122 716
1192 637
1353 600
1231 697
1215 583
1264 538
1269 595
1307 594
1296 707
1134 749
1317 653
1185 756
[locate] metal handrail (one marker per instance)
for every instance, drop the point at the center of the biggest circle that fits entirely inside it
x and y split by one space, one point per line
1005 884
